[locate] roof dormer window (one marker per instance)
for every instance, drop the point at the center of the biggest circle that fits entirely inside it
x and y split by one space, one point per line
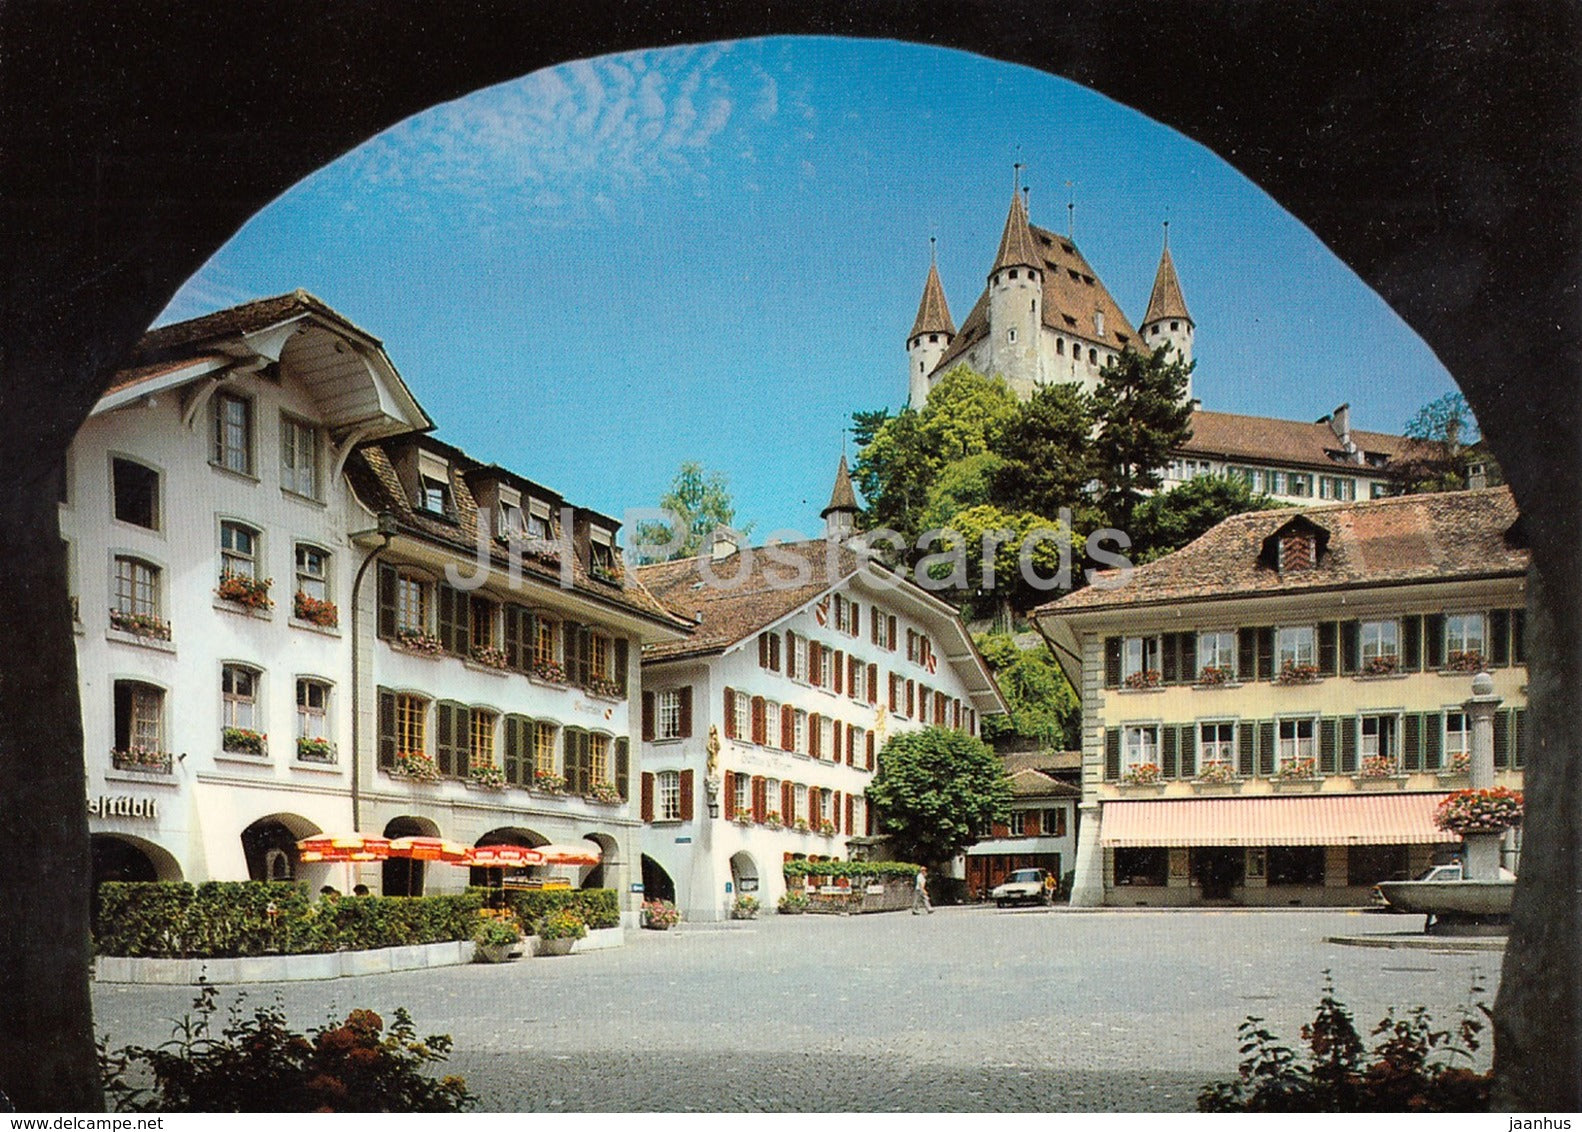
508 512
434 484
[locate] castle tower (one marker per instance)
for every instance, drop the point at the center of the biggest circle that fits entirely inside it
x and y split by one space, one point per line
840 517
1016 295
1167 320
930 336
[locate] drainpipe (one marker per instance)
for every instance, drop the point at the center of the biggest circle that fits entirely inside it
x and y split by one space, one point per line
386 530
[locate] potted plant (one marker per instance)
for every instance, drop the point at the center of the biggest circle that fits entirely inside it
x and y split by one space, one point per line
599 686
241 741
245 590
1468 812
1212 674
315 611
827 828
1297 770
548 782
549 671
792 904
1381 665
1143 774
660 915
487 775
559 931
311 750
1460 764
772 819
488 656
1377 766
1294 673
744 907
140 624
743 817
1147 678
496 940
140 758
1469 661
800 825
415 764
604 794
1216 772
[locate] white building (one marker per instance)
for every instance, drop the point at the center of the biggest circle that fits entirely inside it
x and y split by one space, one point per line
761 729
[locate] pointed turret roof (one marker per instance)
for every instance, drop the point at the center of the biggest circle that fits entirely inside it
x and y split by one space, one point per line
1166 300
843 498
933 313
1017 248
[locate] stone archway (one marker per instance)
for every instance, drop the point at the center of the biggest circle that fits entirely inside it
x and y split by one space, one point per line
402 876
270 846
744 873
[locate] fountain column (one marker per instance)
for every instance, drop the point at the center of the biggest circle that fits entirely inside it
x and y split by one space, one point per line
1483 849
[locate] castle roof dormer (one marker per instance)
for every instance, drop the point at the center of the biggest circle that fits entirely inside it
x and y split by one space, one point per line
933 313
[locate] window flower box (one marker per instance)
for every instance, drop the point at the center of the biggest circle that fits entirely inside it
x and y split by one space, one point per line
1297 770
1471 661
1470 812
827 828
488 656
246 591
772 819
1217 772
311 750
1211 675
416 765
604 794
609 575
1147 678
141 759
743 817
1460 764
606 688
800 826
1381 666
416 641
241 741
486 775
549 671
1293 673
314 611
1377 766
140 624
1143 774
548 782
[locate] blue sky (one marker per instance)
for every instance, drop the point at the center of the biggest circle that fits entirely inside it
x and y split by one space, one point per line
600 270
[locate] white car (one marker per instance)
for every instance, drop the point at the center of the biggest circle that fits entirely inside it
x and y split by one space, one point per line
1024 886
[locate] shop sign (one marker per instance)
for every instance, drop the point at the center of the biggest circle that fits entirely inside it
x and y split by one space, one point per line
123 806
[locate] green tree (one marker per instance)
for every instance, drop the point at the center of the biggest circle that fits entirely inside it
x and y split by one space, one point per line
1043 705
935 790
1171 519
700 501
967 482
1143 415
995 585
1047 453
1445 443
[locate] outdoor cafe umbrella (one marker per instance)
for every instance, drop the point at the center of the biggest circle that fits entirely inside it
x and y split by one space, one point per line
421 848
586 854
343 847
501 856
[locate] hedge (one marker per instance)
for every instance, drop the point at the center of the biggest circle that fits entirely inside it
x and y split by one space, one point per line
223 919
598 907
853 869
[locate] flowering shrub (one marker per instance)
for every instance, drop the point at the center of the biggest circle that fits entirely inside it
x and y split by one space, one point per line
1377 766
563 923
415 640
660 914
1480 811
549 670
1460 763
258 1064
605 793
744 907
1294 673
1296 770
792 904
315 610
1143 774
549 782
1380 665
140 624
239 740
1212 674
599 687
827 828
497 931
488 656
311 750
140 758
416 764
1147 678
1470 661
246 590
1216 771
487 775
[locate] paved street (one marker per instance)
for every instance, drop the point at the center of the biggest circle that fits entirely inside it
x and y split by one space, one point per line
967 1009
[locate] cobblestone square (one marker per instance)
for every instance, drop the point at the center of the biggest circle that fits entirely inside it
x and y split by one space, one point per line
968 1009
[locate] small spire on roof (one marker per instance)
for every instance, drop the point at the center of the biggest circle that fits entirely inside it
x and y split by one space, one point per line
1166 300
933 312
840 517
1016 243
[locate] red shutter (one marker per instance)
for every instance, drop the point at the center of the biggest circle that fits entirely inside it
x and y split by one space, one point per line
730 796
850 798
686 795
686 712
759 790
870 750
999 829
648 715
851 744
815 811
873 683
840 670
648 796
763 650
774 652
856 619
1030 823
760 729
911 697
890 642
812 735
874 624
787 803
895 700
730 714
790 654
813 648
834 811
787 727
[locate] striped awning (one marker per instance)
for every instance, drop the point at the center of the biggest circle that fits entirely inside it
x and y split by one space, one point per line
1307 819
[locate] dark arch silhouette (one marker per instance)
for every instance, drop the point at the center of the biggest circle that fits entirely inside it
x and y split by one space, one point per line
1432 147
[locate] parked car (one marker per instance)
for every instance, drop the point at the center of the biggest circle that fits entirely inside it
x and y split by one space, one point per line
1024 886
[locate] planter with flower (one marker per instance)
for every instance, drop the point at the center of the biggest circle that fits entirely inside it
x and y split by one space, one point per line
1294 673
488 656
1381 665
488 776
660 915
744 907
1380 772
415 765
548 782
800 825
140 758
1469 661
792 904
558 931
140 624
1298 774
609 575
1460 766
310 750
772 819
245 590
549 671
496 940
1468 813
1212 675
1215 774
242 741
609 689
743 817
1142 774
604 794
419 642
315 611
827 828
1147 678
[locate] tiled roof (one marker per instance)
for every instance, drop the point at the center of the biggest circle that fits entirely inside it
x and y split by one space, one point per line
1072 293
1166 300
1234 436
1016 242
1413 538
842 498
933 312
373 477
1045 761
134 375
242 319
724 616
1036 784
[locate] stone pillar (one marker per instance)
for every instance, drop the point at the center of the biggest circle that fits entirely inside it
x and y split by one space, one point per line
1482 861
1087 887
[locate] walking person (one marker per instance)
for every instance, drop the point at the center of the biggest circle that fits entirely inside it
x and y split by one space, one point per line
920 899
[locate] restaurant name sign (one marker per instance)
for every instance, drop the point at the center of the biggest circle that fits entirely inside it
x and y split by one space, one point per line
123 806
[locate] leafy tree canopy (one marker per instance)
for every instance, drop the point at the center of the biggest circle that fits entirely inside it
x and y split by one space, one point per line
1044 706
701 502
1143 415
1047 455
935 789
1171 519
1447 442
960 559
967 482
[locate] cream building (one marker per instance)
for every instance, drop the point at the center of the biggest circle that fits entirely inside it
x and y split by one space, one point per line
1272 713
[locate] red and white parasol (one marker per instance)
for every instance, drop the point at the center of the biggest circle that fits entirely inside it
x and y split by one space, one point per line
343 847
430 849
502 856
586 854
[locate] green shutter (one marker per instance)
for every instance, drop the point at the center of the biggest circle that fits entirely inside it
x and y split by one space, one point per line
1411 644
387 600
1266 747
387 729
623 654
1266 653
1350 634
1167 752
1112 754
1112 662
1519 636
1188 755
1502 738
1412 742
1169 668
1348 745
1518 737
444 751
1328 746
1188 657
1246 740
1246 654
1433 740
1328 648
454 630
1434 641
1500 638
623 766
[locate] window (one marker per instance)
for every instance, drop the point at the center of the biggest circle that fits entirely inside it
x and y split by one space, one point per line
1458 737
598 760
136 491
136 587
1295 743
299 457
1216 744
1217 650
601 552
140 726
826 669
1018 823
856 673
539 525
238 550
1381 645
1054 823
233 433
410 716
599 657
1463 636
828 744
799 805
796 657
669 714
848 616
481 746
1295 646
1296 864
483 634
313 572
1378 738
1060 346
412 602
741 794
742 726
799 732
772 732
1140 746
239 695
544 652
667 795
435 495
1139 656
544 748
1093 357
313 720
1301 484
